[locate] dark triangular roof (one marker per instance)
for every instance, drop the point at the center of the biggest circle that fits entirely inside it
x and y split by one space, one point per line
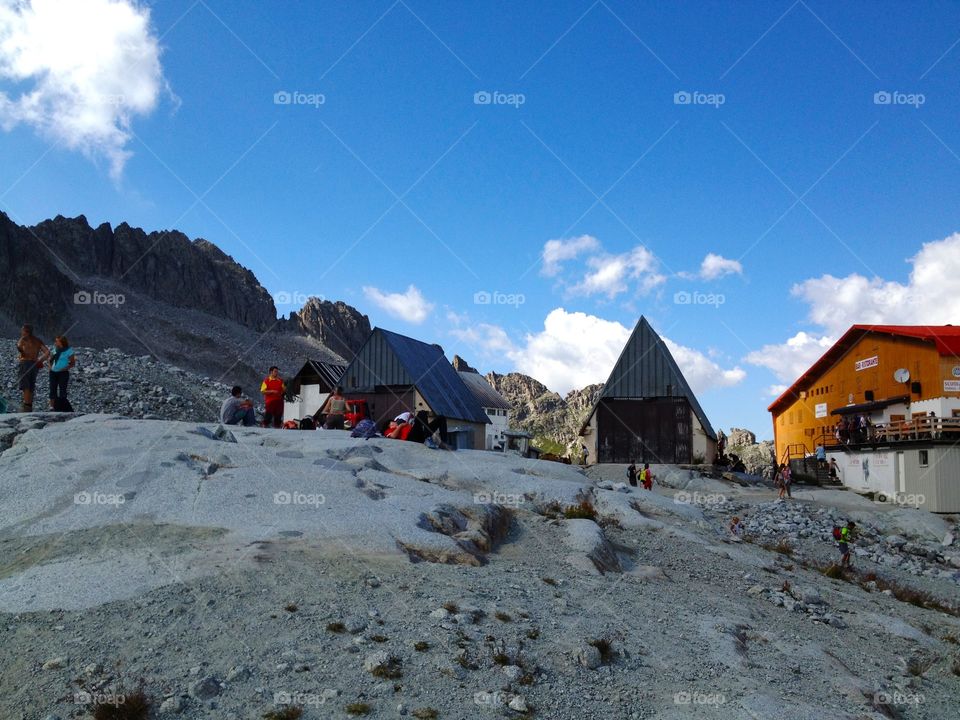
388 358
483 391
646 369
329 373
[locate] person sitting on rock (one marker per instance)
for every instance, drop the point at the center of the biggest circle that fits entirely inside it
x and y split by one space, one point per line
237 410
424 430
335 408
32 354
273 389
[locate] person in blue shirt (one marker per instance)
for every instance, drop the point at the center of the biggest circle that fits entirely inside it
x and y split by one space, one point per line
62 359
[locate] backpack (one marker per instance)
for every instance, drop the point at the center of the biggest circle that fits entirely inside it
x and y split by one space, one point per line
837 534
366 428
307 424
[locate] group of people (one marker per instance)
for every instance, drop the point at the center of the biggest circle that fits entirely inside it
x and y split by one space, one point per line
850 429
33 355
644 476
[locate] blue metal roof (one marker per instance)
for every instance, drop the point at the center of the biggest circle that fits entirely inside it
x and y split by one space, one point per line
388 358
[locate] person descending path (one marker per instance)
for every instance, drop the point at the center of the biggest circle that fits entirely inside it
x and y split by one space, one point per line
273 389
32 354
844 538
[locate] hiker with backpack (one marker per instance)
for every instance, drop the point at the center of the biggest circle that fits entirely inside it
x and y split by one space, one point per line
273 389
632 473
646 477
237 410
32 354
62 360
844 536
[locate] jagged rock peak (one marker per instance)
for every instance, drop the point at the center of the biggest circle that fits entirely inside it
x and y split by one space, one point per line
339 326
461 365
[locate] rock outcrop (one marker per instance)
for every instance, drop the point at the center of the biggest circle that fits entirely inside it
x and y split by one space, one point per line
739 437
165 266
461 365
337 325
542 412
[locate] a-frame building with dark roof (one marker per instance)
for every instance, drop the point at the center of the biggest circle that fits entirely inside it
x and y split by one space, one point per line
647 412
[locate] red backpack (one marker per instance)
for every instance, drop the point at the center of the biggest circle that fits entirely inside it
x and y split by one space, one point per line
837 534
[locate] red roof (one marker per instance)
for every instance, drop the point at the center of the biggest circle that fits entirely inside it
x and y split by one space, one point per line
945 337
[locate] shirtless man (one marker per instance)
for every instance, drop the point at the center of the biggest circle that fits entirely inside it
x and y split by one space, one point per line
32 354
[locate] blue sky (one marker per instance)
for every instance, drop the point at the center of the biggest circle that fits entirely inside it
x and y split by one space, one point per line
751 225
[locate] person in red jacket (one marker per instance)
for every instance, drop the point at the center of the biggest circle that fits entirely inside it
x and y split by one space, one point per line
273 389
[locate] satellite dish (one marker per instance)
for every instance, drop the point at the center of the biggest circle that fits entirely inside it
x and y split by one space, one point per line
902 375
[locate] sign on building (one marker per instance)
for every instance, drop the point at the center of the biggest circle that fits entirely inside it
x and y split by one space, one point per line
820 410
866 363
951 385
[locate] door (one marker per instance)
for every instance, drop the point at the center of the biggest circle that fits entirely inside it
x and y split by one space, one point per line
655 431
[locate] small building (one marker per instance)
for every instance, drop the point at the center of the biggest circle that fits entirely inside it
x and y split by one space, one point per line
647 411
311 387
494 405
902 383
395 373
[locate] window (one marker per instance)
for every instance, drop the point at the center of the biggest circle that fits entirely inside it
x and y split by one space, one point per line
924 457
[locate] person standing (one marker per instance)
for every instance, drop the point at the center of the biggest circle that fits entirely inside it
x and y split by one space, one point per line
273 389
845 540
237 410
335 408
32 354
646 477
632 473
62 360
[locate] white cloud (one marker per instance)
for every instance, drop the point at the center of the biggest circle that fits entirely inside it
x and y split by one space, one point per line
716 266
700 371
776 390
931 296
609 274
410 306
788 360
88 67
575 349
491 340
557 252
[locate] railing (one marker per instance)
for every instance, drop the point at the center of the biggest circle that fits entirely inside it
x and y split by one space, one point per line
919 428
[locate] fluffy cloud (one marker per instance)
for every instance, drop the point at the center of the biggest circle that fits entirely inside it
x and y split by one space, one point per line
716 266
557 252
88 67
788 360
609 274
410 306
931 296
575 349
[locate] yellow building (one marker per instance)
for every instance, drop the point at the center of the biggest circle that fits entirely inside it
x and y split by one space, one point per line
896 390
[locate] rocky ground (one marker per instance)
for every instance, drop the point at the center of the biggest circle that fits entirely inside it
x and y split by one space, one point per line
111 381
238 574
